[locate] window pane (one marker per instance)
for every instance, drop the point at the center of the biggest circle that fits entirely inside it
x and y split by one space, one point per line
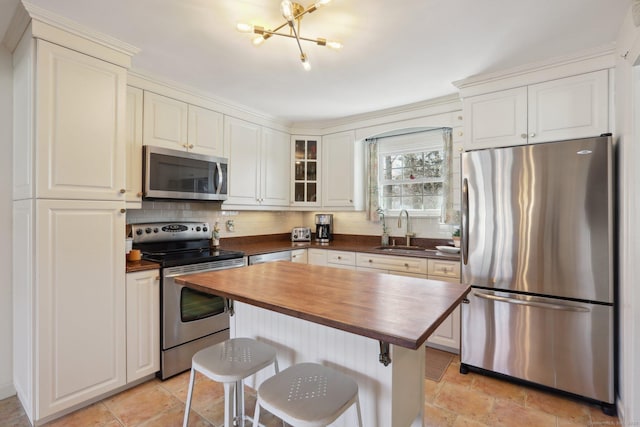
311 171
433 164
300 171
432 202
433 188
299 192
312 152
311 192
396 174
391 190
413 202
412 190
299 149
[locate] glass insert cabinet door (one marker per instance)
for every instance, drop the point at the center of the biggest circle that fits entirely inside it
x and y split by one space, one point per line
305 170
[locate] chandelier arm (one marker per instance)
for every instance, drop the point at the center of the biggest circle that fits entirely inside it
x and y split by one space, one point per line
293 27
273 33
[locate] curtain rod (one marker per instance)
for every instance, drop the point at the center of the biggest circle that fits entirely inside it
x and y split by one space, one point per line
406 133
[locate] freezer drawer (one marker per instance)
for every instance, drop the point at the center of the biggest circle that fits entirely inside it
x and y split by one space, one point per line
561 344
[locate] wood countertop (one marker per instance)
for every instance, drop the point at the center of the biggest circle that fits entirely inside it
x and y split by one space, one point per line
398 310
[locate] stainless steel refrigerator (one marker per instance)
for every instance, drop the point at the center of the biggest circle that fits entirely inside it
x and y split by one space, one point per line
537 249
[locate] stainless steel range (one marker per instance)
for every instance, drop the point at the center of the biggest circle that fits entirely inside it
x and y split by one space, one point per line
190 320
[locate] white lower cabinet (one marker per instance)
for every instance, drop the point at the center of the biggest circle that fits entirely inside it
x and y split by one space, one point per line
448 333
143 324
317 256
391 264
299 256
78 302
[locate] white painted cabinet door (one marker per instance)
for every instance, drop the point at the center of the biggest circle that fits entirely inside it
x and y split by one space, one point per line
205 131
496 119
299 256
143 324
134 147
165 122
242 143
80 125
573 107
448 333
317 256
275 172
80 302
338 170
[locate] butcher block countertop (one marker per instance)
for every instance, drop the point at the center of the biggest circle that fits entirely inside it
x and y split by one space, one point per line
394 309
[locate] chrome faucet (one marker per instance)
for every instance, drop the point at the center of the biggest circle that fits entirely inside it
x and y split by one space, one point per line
408 234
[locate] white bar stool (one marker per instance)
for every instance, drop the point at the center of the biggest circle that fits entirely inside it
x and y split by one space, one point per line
308 395
229 362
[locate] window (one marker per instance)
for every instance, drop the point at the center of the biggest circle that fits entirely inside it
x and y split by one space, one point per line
411 172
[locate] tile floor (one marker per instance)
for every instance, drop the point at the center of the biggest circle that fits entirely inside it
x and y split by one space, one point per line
457 400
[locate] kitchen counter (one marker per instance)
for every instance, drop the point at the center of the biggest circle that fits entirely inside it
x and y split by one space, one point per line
142 265
256 245
373 333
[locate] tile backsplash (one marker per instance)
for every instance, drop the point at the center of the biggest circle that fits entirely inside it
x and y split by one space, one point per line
249 223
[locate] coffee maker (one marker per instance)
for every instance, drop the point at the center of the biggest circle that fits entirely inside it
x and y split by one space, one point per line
324 228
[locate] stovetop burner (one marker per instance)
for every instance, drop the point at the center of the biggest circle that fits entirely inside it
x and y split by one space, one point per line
174 244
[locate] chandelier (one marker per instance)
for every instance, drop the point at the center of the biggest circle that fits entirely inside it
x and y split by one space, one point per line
292 13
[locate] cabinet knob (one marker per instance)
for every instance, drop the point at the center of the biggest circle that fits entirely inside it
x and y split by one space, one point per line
523 136
190 145
185 145
406 265
532 135
122 191
123 210
139 194
370 260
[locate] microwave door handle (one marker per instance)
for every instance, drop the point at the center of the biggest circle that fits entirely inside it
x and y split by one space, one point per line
219 186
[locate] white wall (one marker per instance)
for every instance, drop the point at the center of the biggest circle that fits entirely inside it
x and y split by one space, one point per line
6 119
628 134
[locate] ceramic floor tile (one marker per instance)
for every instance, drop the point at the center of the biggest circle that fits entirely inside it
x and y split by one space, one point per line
506 413
174 417
142 403
11 409
453 375
564 408
462 400
438 417
462 421
94 415
599 418
499 389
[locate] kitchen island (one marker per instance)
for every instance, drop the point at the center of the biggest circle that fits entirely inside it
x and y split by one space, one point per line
371 326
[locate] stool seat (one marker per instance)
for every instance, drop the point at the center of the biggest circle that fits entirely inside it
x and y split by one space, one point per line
308 395
233 359
229 362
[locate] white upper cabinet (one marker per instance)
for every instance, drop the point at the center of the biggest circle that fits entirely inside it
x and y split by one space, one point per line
165 122
205 131
305 171
174 124
80 125
258 164
134 147
342 171
571 107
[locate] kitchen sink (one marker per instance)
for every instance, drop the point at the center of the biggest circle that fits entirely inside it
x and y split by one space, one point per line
404 249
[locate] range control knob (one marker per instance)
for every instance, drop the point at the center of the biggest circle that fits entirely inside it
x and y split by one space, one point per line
198 228
205 229
139 231
147 230
155 230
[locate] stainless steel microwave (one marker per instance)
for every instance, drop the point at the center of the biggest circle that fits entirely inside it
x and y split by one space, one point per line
181 175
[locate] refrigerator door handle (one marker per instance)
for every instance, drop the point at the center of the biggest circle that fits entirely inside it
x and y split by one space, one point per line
538 304
465 221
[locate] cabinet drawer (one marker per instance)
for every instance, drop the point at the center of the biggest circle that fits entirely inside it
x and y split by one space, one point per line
392 263
341 257
444 268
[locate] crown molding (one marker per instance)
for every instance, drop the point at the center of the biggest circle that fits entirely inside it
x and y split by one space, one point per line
162 86
598 58
17 26
72 27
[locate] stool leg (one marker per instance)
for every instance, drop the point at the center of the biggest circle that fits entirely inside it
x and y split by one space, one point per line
228 404
358 411
256 414
189 395
239 400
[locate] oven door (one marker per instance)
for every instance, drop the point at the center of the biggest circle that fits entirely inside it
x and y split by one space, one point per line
188 314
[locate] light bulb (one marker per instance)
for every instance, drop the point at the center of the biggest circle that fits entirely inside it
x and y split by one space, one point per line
245 28
334 45
321 3
305 62
287 10
258 40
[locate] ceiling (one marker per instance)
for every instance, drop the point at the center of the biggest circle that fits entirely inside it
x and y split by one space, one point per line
395 52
